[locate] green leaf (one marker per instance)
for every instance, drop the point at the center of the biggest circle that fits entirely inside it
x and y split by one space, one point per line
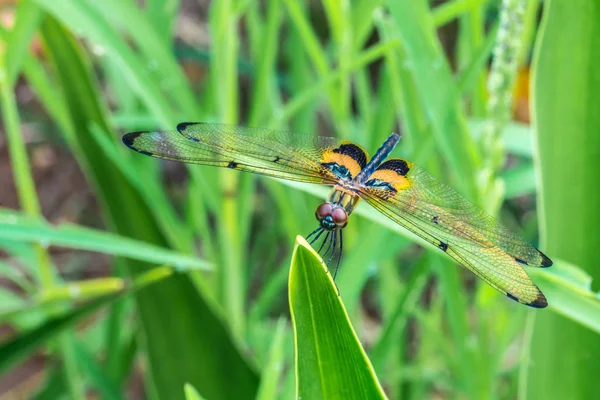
80 291
566 91
569 293
191 393
97 375
17 227
175 308
28 17
274 368
517 138
330 361
437 89
519 180
22 345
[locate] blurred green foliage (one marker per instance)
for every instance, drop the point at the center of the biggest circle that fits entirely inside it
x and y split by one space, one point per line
214 320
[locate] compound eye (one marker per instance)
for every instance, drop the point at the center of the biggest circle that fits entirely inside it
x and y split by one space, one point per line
324 210
339 217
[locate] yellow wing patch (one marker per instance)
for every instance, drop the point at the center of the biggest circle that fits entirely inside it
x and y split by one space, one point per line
392 174
343 160
399 182
348 155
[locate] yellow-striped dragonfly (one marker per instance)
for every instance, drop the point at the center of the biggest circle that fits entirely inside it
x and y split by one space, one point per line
400 190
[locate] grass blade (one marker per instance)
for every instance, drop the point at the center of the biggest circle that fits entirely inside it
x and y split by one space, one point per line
20 346
566 93
16 227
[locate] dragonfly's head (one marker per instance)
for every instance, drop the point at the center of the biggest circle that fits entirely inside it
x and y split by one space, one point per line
331 216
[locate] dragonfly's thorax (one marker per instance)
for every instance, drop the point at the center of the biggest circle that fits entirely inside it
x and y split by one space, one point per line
344 197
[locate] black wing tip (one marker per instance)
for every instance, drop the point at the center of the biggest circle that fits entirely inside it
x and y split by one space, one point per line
182 126
546 262
539 302
128 140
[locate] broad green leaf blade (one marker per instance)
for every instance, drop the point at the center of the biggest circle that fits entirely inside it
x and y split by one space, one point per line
175 308
566 91
330 361
16 227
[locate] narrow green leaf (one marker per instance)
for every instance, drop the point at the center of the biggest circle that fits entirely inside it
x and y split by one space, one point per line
517 137
17 348
266 68
52 388
191 393
437 89
81 291
16 227
397 320
361 20
272 371
147 37
330 361
28 17
16 276
81 17
468 77
519 180
450 10
569 293
96 374
309 94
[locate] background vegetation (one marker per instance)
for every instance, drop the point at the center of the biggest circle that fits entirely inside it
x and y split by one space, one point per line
128 278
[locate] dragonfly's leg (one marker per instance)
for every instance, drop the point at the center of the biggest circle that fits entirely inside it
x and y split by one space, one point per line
329 246
319 230
333 247
339 257
322 244
338 263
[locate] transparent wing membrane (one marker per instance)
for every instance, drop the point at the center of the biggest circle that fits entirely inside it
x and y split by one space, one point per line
438 214
277 154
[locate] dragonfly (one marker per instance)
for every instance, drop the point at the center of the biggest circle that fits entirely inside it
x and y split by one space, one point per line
399 189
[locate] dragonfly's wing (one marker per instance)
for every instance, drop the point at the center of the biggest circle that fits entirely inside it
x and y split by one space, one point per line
277 154
436 213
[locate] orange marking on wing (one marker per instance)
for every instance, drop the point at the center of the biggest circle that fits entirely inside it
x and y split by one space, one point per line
398 181
342 159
